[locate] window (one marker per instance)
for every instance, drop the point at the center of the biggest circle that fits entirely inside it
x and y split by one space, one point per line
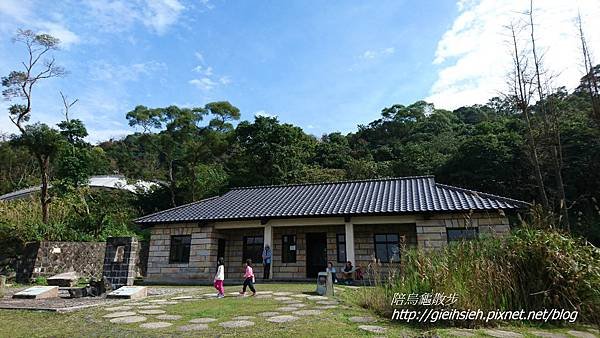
460 234
387 248
180 249
341 248
253 248
288 255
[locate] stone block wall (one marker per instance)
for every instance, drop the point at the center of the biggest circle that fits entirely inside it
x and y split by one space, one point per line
120 258
431 231
298 270
234 252
364 239
51 258
203 250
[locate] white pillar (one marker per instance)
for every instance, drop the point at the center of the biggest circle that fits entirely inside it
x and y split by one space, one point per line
350 243
268 239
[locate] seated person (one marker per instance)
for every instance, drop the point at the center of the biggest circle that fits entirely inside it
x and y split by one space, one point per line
331 269
347 273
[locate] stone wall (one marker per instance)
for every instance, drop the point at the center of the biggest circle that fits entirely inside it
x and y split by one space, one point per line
364 239
51 258
202 254
234 257
431 231
45 259
120 258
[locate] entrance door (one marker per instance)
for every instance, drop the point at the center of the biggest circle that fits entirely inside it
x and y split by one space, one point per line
221 248
316 253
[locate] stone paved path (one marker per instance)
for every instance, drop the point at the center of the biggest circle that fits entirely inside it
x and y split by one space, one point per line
203 320
155 325
236 323
169 317
282 319
193 327
119 314
548 334
373 328
359 319
581 334
152 312
502 333
128 320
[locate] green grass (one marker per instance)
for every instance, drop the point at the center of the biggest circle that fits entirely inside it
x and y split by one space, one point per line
332 323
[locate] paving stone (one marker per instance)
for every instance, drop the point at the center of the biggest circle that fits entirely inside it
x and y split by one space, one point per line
202 320
581 334
264 296
169 303
119 314
169 317
191 300
157 301
317 298
236 323
283 298
461 333
373 328
118 308
128 320
265 292
152 312
307 312
138 304
243 317
282 319
362 319
287 309
326 307
129 292
268 314
301 295
327 302
284 293
193 327
502 333
148 307
548 334
298 305
155 325
182 297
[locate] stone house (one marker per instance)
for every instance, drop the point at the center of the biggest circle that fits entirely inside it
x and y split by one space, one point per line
308 225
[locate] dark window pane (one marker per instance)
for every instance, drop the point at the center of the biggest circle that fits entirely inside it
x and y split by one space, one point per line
392 237
461 234
381 252
179 251
288 254
380 238
253 249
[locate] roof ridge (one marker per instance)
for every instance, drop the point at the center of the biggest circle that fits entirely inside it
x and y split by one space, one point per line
482 193
332 183
175 208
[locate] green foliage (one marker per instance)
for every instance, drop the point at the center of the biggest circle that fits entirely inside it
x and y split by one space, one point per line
40 281
532 269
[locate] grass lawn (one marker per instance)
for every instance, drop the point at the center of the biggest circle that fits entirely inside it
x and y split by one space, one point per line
331 322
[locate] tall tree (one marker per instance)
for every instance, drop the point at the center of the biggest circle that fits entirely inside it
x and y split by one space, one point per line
19 85
590 79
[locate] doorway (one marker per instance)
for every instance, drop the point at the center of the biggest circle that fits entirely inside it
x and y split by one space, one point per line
221 248
316 253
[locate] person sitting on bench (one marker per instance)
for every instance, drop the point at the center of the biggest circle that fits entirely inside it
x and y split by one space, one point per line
347 273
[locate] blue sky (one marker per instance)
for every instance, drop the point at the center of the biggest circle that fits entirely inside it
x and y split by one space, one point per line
323 65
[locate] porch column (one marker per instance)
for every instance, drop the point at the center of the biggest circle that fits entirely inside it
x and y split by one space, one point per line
350 242
268 239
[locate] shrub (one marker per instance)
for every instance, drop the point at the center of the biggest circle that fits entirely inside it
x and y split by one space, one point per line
40 281
531 269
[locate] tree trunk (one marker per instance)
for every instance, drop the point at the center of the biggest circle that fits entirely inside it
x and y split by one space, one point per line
172 184
44 162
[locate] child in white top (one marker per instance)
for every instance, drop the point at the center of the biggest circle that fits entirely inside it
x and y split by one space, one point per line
219 278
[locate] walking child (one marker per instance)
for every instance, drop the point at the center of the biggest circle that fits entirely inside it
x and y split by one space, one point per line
248 278
220 278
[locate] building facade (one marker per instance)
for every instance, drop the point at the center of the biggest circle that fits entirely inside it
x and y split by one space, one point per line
312 224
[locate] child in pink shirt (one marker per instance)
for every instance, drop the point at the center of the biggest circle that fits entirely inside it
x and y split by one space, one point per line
248 278
219 278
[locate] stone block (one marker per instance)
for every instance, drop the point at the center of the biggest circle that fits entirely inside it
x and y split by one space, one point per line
129 292
67 279
38 292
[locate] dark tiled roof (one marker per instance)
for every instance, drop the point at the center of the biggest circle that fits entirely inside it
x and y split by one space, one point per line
403 195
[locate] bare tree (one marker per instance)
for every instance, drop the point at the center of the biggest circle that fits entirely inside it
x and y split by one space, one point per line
551 120
590 80
20 85
522 92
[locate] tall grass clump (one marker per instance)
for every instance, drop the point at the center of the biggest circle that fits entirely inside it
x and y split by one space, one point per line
530 269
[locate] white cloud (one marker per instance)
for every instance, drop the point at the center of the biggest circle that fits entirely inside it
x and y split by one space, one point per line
207 80
15 14
104 71
264 114
120 15
474 58
372 54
